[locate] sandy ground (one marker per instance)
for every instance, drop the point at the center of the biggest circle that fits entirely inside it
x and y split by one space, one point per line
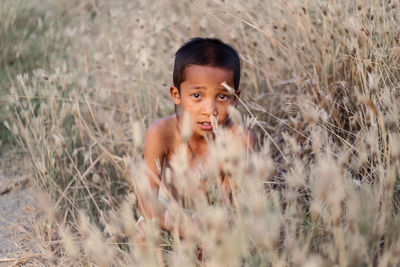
18 212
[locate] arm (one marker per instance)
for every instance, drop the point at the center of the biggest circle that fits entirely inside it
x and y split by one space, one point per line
154 149
249 140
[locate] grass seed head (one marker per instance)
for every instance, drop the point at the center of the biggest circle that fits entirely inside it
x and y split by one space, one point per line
186 127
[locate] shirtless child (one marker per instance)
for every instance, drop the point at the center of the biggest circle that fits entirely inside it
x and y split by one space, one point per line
201 65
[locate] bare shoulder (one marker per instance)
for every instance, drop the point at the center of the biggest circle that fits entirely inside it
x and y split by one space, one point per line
160 133
248 136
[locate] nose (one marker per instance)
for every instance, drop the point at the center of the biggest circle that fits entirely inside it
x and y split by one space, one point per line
209 107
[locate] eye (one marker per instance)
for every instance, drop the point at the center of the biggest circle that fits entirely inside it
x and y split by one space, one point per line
223 97
196 96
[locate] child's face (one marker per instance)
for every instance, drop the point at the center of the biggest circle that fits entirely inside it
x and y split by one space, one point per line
202 95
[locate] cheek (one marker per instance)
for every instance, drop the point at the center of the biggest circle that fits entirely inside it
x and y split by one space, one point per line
223 110
189 107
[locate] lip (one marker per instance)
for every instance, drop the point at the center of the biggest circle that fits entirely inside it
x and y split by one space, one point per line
205 127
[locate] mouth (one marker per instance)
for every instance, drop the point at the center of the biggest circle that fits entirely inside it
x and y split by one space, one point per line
205 125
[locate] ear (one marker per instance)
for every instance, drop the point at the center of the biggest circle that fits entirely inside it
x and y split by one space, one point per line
175 95
236 98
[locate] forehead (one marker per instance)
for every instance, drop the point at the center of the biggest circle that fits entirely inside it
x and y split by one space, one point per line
207 75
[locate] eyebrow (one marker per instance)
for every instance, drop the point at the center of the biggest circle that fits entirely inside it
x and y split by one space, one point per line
197 87
223 89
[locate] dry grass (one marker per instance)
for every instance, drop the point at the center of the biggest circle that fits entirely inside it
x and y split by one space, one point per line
320 87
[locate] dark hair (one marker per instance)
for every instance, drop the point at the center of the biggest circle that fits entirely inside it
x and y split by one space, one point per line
207 52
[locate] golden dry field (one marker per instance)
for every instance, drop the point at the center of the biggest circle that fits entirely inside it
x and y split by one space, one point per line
80 81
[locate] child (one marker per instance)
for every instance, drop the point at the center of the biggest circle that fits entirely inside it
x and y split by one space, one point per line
201 65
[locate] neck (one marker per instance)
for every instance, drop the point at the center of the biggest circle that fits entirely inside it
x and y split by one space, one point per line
197 141
198 147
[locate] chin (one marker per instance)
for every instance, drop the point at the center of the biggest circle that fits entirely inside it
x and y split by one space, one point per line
201 133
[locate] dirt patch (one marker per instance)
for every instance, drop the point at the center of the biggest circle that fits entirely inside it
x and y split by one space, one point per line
18 212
